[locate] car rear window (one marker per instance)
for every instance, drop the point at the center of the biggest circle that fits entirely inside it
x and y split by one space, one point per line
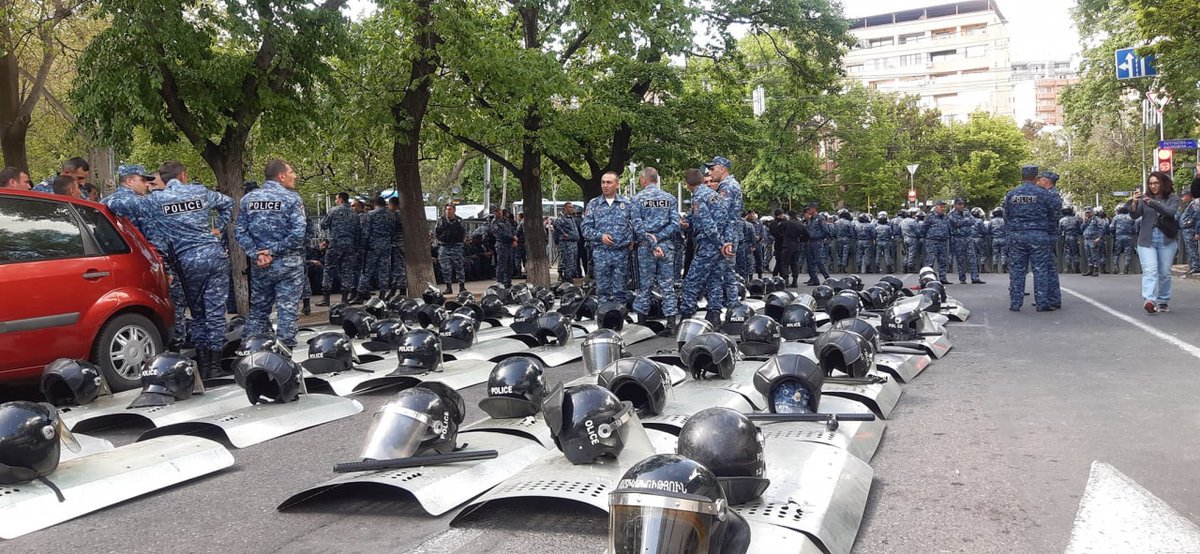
32 230
107 236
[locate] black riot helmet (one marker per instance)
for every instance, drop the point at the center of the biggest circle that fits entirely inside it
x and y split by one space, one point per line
798 323
640 381
587 422
854 282
515 388
740 288
525 318
866 330
691 327
656 306
457 332
260 342
727 443
894 282
546 297
935 300
822 294
844 351
358 323
553 329
600 348
419 352
756 287
421 420
472 311
407 310
876 298
735 318
842 307
268 377
431 316
669 503
710 355
838 285
31 439
517 294
493 306
67 382
376 307
807 300
791 383
1068 210
562 287
496 289
433 295
329 352
388 333
775 302
464 297
611 315
166 378
760 336
902 321
939 288
588 308
570 302
233 328
335 313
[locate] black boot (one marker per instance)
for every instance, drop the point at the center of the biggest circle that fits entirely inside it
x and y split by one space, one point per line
361 297
462 287
306 309
203 360
713 315
669 329
218 370
348 296
449 289
324 300
641 319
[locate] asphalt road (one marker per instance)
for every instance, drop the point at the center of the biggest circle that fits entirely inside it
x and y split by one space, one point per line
987 451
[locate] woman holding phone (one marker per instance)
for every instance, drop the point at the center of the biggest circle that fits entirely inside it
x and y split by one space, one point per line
1157 242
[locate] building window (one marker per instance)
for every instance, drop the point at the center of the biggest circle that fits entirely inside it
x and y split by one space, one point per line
912 59
970 30
854 69
913 38
943 34
975 51
882 41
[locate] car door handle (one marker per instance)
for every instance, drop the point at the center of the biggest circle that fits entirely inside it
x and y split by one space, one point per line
92 274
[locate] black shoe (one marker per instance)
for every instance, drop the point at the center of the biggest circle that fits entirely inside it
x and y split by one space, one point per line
449 289
349 297
945 282
306 309
1045 309
811 283
1014 308
462 287
962 281
641 319
794 285
362 297
978 282
1056 306
324 301
669 329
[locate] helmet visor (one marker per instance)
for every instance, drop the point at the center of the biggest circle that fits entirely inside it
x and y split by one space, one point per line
791 397
689 328
599 352
640 522
396 432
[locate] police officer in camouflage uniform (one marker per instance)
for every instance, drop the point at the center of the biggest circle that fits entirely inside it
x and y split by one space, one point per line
1030 211
935 233
399 280
819 233
270 228
377 234
864 233
1122 228
566 241
745 251
845 231
884 243
656 222
1070 228
980 236
179 218
730 191
996 230
1189 209
703 276
505 233
910 230
344 232
450 233
1094 228
761 244
608 227
962 231
1049 180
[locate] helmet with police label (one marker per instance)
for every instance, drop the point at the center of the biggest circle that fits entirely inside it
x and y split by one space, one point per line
31 438
611 315
587 421
329 352
420 420
167 377
67 382
335 313
670 503
457 332
798 322
760 336
735 318
844 351
419 351
773 304
553 329
902 320
710 355
791 383
470 311
860 326
258 342
691 327
268 377
525 318
727 443
515 388
640 381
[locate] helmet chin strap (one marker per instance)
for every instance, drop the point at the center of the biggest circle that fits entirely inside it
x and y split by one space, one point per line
58 493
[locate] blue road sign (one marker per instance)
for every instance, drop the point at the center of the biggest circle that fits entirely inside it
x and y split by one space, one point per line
1178 144
1132 66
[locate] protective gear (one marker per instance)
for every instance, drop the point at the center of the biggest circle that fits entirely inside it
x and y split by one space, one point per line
798 322
669 503
546 298
864 218
881 215
844 351
517 294
691 327
777 284
464 297
570 302
335 313
729 445
492 306
866 330
268 377
760 336
553 329
822 295
806 300
639 381
587 422
525 318
433 295
67 382
977 212
791 383
419 351
775 302
431 316
842 307
516 388
838 285
735 318
376 307
166 378
358 323
1121 209
940 288
710 353
31 439
589 307
756 287
611 315
471 311
877 298
902 321
420 420
894 282
1068 210
854 282
457 332
600 348
407 310
329 352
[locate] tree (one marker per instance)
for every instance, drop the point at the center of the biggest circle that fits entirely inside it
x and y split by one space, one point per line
208 71
983 158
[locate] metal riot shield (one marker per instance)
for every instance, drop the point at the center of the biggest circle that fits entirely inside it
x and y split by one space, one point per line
691 397
262 422
860 438
88 445
109 411
457 374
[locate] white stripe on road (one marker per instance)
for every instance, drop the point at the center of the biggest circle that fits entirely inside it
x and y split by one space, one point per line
1118 515
1189 348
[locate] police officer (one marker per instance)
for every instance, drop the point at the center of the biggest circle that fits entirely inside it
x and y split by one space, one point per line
566 240
996 230
864 233
884 243
656 221
505 234
399 280
980 237
75 168
341 223
910 230
450 234
1094 228
1070 228
1030 213
270 228
703 276
760 243
935 233
775 229
179 218
730 191
819 232
1189 208
845 232
608 227
377 236
745 251
1049 180
126 200
962 231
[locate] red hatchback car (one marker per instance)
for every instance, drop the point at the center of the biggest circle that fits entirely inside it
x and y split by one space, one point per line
77 282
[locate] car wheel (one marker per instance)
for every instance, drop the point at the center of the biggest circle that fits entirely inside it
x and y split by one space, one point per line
124 344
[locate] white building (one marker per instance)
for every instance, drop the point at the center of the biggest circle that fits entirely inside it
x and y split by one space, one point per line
954 56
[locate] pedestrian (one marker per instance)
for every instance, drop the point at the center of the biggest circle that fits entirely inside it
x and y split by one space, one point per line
341 224
377 236
703 275
1070 228
962 241
1031 211
1157 239
180 217
270 227
819 231
656 221
884 243
450 233
864 233
15 179
505 234
399 280
935 233
981 238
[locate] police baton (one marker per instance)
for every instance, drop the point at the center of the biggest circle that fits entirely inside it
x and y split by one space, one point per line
831 421
415 461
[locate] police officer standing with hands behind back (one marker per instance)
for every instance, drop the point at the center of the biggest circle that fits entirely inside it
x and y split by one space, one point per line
450 233
608 226
656 220
1031 211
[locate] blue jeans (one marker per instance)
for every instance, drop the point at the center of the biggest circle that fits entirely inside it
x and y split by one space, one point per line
1156 268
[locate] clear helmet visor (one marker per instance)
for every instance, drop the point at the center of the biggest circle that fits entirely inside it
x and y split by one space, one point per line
637 529
599 352
397 432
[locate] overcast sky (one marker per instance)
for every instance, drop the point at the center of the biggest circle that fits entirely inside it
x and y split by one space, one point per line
1038 29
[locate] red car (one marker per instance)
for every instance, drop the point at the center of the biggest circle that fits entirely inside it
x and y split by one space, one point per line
77 282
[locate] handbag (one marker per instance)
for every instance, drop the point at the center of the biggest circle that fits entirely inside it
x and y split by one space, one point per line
1168 225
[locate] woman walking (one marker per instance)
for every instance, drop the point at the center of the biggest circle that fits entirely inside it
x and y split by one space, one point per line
1157 242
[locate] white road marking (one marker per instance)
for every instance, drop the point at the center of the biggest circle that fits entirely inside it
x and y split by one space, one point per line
1118 515
1166 337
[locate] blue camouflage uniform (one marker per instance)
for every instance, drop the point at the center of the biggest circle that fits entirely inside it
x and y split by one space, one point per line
864 233
566 240
819 233
745 250
1030 212
377 236
910 230
730 191
272 219
845 232
935 233
962 229
399 280
1188 216
884 245
1054 291
344 237
450 234
703 276
504 231
1070 228
760 246
656 221
996 230
981 241
179 219
611 262
1122 228
1094 230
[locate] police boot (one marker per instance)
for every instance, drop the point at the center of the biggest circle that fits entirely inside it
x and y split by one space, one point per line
324 300
449 289
216 368
641 319
669 329
203 358
361 297
348 296
713 315
462 287
306 309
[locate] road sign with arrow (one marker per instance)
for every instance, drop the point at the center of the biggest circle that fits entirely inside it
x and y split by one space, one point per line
1132 66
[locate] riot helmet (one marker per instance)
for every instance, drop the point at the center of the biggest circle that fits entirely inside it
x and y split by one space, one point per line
492 306
570 302
838 285
611 315
844 351
515 388
525 318
856 325
431 316
760 336
546 297
464 297
457 332
600 348
735 318
939 288
335 313
358 323
553 329
805 299
588 307
902 320
798 322
791 383
587 422
640 381
419 352
822 295
710 355
31 438
691 327
471 311
853 281
329 352
894 282
864 218
416 421
166 378
877 297
727 443
777 284
842 307
433 295
517 294
376 307
977 212
268 377
999 212
756 287
935 300
775 302
407 310
67 382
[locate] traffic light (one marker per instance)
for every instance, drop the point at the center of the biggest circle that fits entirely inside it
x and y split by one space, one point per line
1166 160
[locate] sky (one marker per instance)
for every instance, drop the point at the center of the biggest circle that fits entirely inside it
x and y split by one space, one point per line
1037 29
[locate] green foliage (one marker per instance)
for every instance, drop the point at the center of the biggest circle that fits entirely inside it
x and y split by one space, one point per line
983 158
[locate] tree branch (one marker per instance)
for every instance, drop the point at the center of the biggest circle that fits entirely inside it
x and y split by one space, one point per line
478 147
575 45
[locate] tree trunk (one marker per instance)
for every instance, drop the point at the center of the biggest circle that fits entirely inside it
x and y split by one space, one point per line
12 126
12 140
228 164
537 266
